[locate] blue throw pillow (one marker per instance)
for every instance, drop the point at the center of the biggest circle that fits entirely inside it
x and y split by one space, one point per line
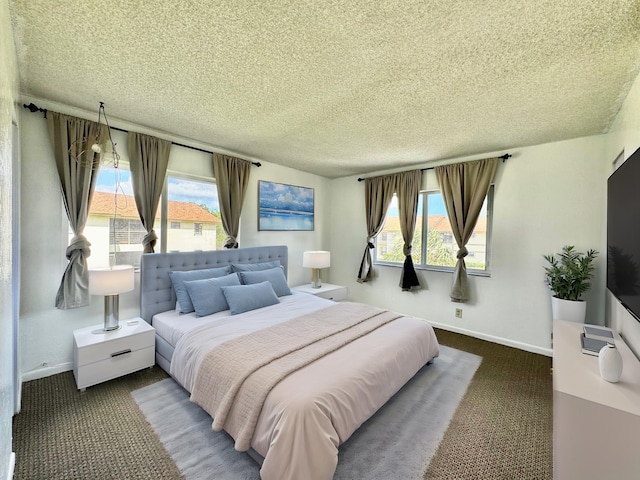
179 277
275 276
243 298
206 295
251 267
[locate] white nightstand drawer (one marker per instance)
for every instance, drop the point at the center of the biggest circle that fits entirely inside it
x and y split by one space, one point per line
114 367
103 351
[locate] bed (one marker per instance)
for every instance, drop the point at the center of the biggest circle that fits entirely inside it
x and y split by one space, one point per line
290 381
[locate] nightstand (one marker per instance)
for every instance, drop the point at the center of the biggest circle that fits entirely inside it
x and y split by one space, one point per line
98 357
337 293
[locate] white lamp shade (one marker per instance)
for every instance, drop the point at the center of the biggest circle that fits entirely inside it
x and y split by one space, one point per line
111 281
316 259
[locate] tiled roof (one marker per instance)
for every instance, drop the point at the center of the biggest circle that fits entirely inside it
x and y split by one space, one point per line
102 203
438 222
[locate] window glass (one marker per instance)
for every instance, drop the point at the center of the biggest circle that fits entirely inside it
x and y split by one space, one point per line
390 242
113 224
433 224
194 215
116 232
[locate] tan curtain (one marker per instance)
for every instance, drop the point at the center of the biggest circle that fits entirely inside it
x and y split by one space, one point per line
148 160
232 178
378 195
464 187
77 165
407 188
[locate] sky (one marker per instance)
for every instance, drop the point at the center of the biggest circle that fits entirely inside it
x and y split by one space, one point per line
285 197
436 206
182 190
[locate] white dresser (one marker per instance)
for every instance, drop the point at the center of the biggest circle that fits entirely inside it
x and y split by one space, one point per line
596 424
98 357
337 293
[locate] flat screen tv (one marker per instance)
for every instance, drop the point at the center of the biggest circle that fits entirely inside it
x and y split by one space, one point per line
623 234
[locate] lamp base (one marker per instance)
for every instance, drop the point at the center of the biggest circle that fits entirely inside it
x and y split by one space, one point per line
103 330
315 278
111 314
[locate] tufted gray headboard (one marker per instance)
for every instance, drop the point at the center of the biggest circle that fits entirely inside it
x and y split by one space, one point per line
156 292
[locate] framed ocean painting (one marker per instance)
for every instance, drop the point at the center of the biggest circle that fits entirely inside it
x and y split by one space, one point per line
284 207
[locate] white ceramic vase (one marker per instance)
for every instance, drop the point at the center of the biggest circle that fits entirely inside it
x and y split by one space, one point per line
610 363
570 310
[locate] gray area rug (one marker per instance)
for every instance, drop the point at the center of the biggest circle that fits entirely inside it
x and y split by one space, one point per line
397 442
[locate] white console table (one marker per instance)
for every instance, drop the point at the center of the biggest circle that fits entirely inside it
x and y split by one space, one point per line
596 424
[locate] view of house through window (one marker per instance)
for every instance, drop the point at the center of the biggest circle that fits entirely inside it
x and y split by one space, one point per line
193 214
432 224
116 232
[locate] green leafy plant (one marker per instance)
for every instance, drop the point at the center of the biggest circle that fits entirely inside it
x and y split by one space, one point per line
569 273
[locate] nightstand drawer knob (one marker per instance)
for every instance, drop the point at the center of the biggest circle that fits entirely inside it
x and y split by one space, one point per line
122 352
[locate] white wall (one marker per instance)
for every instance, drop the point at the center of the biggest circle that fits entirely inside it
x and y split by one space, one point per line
8 97
624 135
46 332
546 196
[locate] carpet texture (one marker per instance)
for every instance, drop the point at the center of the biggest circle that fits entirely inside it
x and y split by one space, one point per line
397 442
501 430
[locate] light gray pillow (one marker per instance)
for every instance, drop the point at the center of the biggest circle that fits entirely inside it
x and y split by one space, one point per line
275 276
179 277
251 267
243 298
206 295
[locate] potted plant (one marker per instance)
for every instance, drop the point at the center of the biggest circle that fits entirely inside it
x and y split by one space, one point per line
569 275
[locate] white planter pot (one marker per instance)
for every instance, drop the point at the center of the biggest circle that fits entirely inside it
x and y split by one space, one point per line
570 310
610 363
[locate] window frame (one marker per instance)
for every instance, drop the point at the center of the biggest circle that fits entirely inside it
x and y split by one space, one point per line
440 268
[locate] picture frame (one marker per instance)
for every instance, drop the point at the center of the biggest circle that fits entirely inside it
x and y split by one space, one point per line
283 207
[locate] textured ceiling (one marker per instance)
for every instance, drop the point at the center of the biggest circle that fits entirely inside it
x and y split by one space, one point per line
338 87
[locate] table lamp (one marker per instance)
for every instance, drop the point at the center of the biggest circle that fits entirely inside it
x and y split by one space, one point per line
315 260
111 282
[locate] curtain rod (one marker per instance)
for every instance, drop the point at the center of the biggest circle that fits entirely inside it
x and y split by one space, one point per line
34 108
503 157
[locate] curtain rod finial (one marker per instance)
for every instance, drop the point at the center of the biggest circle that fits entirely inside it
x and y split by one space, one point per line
34 108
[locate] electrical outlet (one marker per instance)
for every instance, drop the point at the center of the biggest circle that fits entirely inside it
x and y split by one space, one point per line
459 312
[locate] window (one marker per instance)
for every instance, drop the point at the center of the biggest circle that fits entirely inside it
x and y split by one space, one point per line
126 231
432 223
188 218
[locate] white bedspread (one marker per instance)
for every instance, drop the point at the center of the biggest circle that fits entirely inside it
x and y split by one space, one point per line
173 325
311 412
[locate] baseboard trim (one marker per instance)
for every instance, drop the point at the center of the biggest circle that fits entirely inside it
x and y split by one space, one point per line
12 465
490 338
46 371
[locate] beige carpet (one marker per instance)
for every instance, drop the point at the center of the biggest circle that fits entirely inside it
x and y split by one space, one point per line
501 430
